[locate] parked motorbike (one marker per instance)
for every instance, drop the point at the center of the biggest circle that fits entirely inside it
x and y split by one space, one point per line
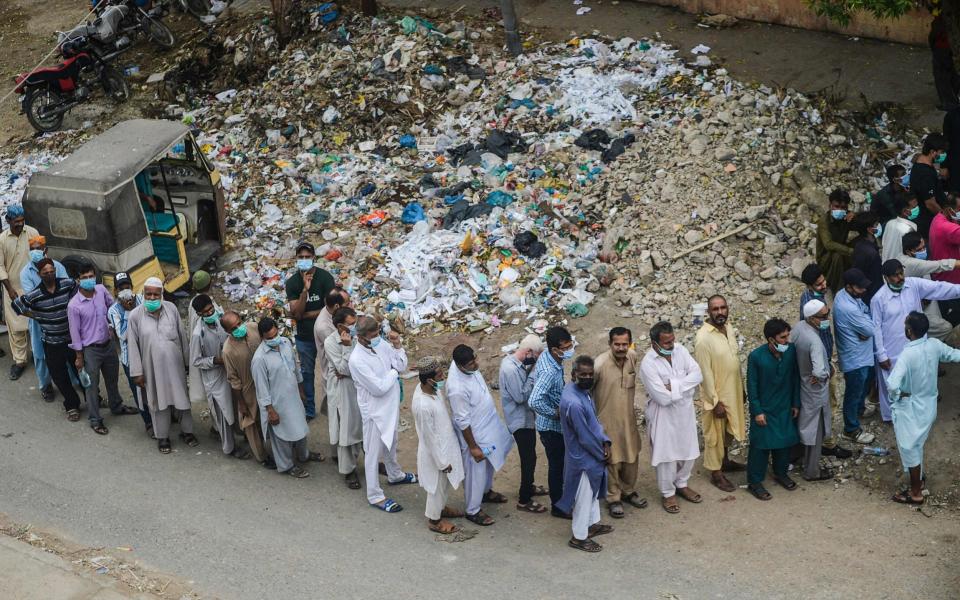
136 21
103 35
48 94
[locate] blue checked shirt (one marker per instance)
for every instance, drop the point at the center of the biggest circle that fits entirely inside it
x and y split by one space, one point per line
545 397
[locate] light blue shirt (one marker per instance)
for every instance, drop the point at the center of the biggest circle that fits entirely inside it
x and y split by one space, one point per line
117 317
851 321
516 384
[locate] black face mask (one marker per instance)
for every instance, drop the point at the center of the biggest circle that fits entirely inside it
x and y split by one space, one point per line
585 383
529 361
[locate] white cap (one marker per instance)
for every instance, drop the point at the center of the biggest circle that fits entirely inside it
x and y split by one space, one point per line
153 282
811 308
531 342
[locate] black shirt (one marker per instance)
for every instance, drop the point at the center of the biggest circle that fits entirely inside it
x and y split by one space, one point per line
866 257
925 183
321 286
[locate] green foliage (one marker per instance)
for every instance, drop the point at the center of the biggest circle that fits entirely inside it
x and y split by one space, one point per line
840 11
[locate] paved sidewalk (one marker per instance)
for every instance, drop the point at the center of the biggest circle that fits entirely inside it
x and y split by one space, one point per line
32 574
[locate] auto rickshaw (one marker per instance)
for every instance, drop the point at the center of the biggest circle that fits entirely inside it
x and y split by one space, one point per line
139 198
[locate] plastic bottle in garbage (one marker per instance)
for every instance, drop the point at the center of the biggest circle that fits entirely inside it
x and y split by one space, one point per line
876 451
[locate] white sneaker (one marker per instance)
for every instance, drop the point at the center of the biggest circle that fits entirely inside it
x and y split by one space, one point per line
862 438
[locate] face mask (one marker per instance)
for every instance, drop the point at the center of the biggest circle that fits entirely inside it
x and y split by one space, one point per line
272 343
922 255
663 351
375 342
905 181
941 158
585 383
36 255
838 214
781 348
567 354
88 283
439 385
240 332
914 213
151 305
352 330
878 231
304 264
817 294
529 361
895 288
825 324
212 318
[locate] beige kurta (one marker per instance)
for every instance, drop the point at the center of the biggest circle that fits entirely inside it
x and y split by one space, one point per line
158 349
237 356
14 256
613 394
717 355
323 327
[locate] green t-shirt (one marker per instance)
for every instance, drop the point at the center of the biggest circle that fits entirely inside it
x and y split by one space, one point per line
322 285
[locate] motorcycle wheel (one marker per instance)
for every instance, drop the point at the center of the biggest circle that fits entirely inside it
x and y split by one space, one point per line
115 85
158 32
37 100
197 8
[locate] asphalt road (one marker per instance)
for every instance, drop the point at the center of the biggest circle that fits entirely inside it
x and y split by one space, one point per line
241 532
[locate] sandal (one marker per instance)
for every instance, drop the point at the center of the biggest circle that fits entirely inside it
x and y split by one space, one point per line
690 495
539 490
298 472
586 545
164 446
785 482
451 513
126 410
100 429
389 506
492 497
190 439
438 527
636 501
316 457
599 529
532 507
823 475
616 510
759 492
722 483
353 481
407 478
905 497
481 518
73 415
670 505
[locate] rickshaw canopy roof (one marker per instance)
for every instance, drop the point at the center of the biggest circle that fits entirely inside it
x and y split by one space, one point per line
111 159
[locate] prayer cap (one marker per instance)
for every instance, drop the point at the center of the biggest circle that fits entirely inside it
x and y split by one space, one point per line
428 364
811 308
153 282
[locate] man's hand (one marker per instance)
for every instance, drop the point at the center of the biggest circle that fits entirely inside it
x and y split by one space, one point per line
606 453
307 281
272 417
885 365
849 217
720 411
78 361
447 470
477 454
761 420
814 380
217 360
394 338
139 381
795 412
345 338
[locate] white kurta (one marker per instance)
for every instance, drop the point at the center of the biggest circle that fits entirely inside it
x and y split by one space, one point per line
322 328
438 447
671 417
893 232
206 343
343 412
940 328
473 407
376 375
197 393
158 350
277 376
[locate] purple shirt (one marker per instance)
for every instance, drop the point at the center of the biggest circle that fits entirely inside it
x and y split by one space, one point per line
88 318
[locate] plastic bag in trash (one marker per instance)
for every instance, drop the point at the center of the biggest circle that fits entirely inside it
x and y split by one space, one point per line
412 213
499 198
527 244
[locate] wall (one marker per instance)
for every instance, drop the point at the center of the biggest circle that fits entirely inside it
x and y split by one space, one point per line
910 29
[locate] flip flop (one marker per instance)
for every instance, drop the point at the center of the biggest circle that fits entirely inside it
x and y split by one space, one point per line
690 495
539 490
673 508
586 545
316 457
532 507
616 510
73 415
164 446
100 429
353 481
190 439
407 478
389 506
437 529
298 472
904 497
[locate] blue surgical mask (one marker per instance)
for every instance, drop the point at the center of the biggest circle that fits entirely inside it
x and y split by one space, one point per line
88 284
922 255
210 320
878 231
838 214
941 158
375 341
914 213
440 385
273 343
816 294
905 181
304 264
567 354
36 255
895 288
781 348
352 330
663 351
240 332
825 324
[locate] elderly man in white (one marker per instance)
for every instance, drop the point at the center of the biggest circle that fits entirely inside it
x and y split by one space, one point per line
375 368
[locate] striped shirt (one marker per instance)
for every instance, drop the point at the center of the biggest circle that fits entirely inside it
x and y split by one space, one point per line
545 397
49 309
117 317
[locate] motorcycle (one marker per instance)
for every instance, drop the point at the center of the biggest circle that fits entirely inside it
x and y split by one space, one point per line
135 21
102 35
48 94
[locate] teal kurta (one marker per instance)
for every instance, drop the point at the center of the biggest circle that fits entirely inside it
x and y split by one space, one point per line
773 388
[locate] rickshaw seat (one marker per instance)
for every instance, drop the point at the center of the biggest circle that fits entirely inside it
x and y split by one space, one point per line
160 222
